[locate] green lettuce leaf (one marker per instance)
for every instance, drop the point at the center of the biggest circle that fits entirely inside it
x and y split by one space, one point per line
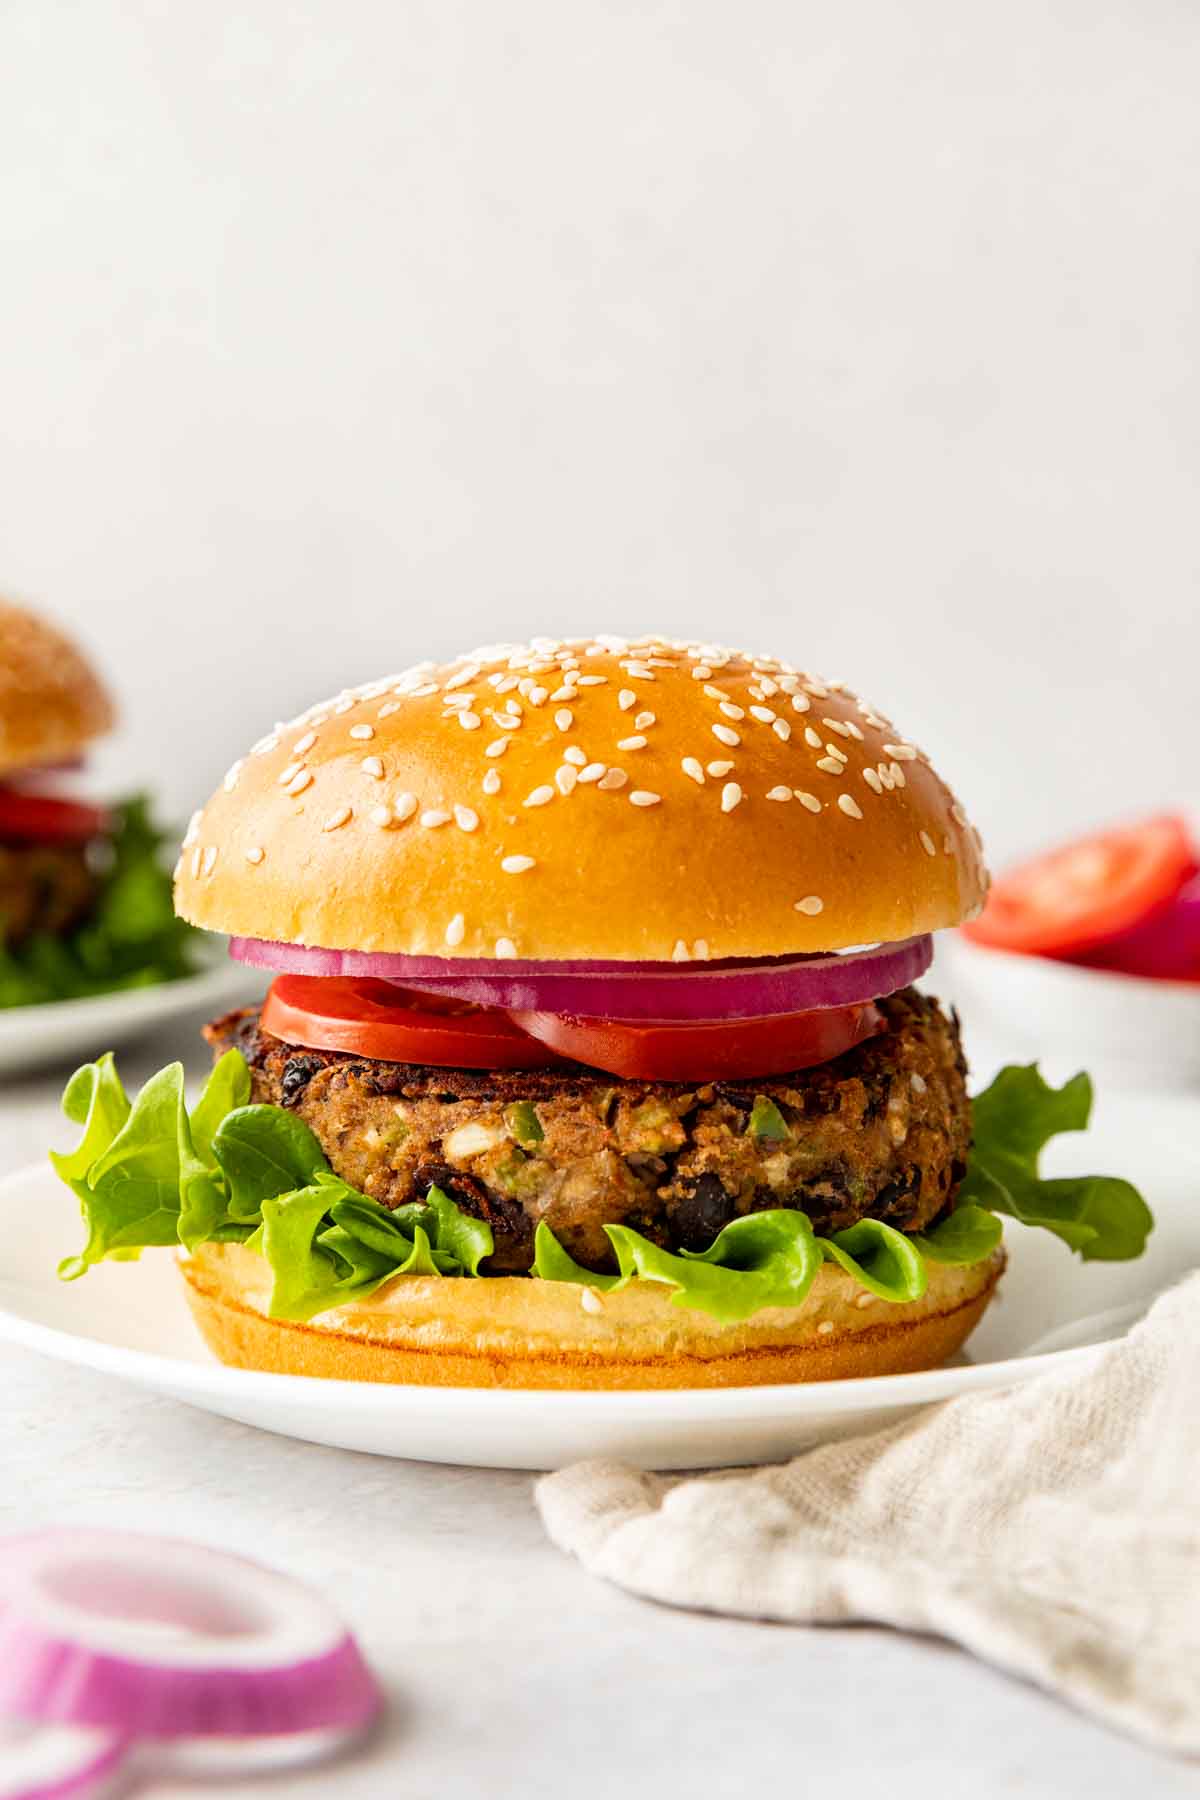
966 1236
328 1246
134 1190
880 1258
227 1089
150 1174
203 1195
306 1278
1100 1217
771 1259
95 1099
765 1259
131 936
309 1277
552 1263
361 1229
458 1235
264 1152
768 1258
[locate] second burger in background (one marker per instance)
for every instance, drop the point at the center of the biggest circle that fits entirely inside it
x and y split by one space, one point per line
85 903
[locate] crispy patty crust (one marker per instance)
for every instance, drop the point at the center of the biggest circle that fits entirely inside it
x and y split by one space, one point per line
882 1131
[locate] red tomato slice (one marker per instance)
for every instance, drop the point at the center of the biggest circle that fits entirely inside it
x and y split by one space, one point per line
725 1050
1080 896
45 819
391 1024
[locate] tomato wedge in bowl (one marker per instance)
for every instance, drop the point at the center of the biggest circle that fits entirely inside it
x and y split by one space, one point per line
719 1050
1080 896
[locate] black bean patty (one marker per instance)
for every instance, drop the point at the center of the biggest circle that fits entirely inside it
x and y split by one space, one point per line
882 1131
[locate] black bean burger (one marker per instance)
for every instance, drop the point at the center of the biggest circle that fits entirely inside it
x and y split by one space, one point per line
592 1054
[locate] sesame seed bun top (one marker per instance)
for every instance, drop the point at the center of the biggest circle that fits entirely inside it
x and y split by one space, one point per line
52 703
592 799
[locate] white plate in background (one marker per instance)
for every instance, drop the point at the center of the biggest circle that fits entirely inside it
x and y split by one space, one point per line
130 1320
36 1037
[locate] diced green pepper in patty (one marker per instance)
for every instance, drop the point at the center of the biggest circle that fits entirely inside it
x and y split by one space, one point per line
767 1122
523 1123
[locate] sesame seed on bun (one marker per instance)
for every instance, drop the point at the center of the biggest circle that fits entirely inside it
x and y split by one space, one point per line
52 702
598 799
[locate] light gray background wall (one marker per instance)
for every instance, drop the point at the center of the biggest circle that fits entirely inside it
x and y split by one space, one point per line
335 334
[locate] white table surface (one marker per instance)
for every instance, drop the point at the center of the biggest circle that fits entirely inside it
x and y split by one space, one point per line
508 1670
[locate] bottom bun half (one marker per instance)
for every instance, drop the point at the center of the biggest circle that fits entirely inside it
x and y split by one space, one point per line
514 1332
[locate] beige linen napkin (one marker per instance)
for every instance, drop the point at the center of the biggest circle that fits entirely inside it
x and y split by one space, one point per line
1053 1529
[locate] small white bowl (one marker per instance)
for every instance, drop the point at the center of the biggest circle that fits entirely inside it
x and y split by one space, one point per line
1142 1032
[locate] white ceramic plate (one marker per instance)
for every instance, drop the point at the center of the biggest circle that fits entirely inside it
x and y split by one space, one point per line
130 1320
34 1037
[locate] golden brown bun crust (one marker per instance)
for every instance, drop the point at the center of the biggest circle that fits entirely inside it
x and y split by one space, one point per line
379 821
514 1332
52 702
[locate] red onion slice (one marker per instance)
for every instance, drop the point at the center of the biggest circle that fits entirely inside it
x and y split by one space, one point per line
58 1762
605 990
153 1637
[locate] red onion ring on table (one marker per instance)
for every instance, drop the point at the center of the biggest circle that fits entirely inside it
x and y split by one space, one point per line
57 1762
248 1652
753 989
